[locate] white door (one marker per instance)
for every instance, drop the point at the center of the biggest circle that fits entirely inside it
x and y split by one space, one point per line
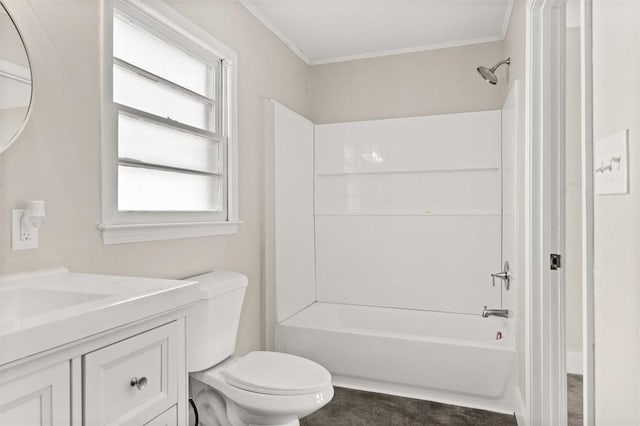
588 327
42 397
546 362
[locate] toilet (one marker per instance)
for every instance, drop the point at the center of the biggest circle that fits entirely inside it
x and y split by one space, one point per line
260 388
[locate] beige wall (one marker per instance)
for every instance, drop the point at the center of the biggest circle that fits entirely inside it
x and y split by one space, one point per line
57 157
422 83
11 120
573 213
10 43
616 68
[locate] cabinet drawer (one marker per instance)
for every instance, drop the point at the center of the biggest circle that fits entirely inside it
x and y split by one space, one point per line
168 418
132 381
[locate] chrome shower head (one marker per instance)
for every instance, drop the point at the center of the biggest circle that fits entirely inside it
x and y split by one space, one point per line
489 74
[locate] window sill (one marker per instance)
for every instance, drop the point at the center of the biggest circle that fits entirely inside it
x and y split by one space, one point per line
122 234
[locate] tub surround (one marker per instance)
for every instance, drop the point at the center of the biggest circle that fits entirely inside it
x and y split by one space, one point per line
401 203
382 275
379 213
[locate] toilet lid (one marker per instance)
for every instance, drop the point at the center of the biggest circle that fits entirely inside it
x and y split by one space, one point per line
276 373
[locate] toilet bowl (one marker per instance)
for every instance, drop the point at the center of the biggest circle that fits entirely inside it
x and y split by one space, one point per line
265 388
260 388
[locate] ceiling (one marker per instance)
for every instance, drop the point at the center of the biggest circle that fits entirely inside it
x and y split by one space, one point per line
323 31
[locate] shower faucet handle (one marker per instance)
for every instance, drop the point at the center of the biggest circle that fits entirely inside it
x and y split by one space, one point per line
504 275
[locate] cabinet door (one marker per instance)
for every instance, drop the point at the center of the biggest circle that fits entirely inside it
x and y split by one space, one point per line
42 397
132 381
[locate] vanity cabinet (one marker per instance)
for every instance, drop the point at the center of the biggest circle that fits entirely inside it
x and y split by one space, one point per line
134 376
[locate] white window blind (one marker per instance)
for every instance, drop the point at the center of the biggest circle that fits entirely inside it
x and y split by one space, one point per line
133 44
169 126
170 138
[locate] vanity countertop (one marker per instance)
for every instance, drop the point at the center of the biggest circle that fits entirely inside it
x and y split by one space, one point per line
43 310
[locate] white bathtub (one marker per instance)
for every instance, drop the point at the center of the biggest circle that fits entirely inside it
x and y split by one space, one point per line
444 357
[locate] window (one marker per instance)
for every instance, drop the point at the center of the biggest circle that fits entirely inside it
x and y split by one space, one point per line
168 126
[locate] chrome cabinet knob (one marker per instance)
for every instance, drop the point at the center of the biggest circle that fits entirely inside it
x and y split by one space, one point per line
140 383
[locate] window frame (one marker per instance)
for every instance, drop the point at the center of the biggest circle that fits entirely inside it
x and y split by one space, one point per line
131 226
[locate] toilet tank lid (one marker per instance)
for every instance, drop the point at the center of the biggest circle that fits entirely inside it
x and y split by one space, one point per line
215 283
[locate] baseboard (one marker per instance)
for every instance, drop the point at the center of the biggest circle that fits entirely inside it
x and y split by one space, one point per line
521 414
574 363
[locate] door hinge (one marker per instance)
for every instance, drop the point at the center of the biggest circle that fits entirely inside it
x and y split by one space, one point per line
555 261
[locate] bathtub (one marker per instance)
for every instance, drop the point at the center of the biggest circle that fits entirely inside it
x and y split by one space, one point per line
442 357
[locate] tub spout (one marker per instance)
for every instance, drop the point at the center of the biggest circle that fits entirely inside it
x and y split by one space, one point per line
503 313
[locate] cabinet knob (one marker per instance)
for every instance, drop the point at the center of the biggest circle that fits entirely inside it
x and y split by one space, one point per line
140 383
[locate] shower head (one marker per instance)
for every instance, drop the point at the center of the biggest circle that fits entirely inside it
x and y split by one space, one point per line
489 74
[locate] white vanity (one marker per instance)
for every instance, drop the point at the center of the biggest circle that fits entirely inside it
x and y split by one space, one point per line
93 349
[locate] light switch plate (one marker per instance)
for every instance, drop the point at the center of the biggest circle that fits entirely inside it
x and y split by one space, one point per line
16 242
611 164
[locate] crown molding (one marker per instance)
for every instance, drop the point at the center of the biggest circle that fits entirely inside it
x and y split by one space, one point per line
267 23
392 52
507 20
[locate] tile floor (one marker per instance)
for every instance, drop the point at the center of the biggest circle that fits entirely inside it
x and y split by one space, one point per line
358 408
574 397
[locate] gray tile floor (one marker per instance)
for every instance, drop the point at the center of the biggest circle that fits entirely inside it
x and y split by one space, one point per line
358 408
574 397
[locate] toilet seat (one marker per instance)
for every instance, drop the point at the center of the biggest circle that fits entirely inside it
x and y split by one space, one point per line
276 373
259 404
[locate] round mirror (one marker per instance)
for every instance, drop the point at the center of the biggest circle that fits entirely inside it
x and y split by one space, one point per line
15 80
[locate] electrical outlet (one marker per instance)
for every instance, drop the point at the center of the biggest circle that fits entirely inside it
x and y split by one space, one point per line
19 240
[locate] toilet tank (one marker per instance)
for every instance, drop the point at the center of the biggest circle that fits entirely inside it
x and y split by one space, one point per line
213 325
